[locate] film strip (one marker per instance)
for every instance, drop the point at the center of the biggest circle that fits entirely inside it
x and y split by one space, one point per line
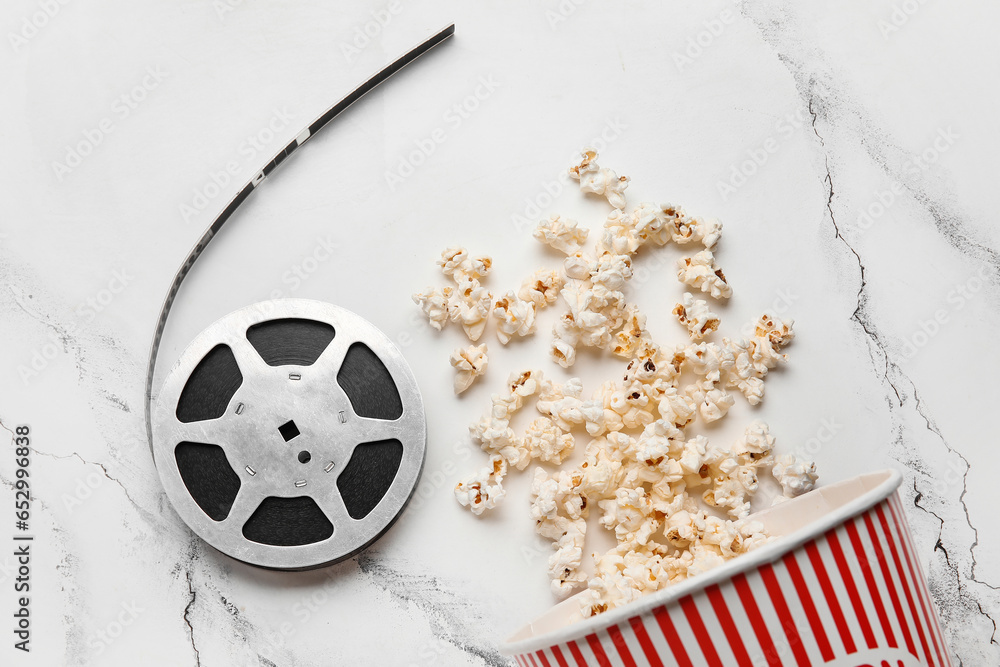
291 433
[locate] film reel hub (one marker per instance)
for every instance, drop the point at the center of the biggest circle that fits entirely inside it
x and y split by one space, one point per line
290 434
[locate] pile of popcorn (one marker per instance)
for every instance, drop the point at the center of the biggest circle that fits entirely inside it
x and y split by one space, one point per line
469 303
677 505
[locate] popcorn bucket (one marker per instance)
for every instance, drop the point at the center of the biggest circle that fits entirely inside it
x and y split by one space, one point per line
840 587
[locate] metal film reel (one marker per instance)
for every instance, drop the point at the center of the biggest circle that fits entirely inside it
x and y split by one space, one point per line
290 434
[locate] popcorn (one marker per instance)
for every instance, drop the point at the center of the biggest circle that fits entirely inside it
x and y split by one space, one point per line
677 504
483 490
618 583
542 288
685 229
700 271
611 271
587 322
561 403
650 224
560 513
658 442
467 302
754 357
645 487
630 515
493 431
679 529
564 564
754 446
694 460
694 314
699 541
620 236
677 407
795 476
599 181
459 265
547 442
469 363
514 316
436 305
470 305
732 488
709 360
577 266
632 336
752 388
597 311
565 338
713 404
601 470
631 404
563 234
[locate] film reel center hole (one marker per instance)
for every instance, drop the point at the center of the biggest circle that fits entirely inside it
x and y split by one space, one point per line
304 457
289 430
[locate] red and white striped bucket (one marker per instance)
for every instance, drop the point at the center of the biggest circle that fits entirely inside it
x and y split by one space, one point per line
841 587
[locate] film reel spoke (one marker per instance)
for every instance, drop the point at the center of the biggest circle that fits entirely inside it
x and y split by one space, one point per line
370 430
332 505
210 431
247 356
247 501
332 358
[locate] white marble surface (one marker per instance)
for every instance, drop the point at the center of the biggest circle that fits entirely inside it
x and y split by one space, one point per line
846 98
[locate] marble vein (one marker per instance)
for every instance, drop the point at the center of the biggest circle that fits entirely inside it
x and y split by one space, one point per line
971 589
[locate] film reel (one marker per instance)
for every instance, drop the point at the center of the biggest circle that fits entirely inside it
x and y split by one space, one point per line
290 434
